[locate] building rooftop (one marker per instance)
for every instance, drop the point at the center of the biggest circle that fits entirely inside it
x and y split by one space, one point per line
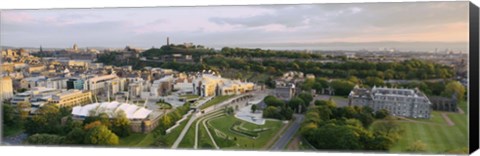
111 108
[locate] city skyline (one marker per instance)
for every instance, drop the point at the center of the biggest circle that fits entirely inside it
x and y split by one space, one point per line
430 25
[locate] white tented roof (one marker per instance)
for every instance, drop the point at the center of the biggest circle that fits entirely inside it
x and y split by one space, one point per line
132 111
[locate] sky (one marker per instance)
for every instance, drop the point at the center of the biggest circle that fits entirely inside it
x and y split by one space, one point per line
426 25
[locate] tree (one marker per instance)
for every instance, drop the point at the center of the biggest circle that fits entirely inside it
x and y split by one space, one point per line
333 136
273 101
374 81
306 97
45 139
101 135
379 142
164 123
9 117
253 108
307 128
331 103
295 104
307 85
382 113
23 109
92 125
270 83
342 87
270 112
121 125
454 88
388 128
353 79
417 146
75 137
366 118
320 103
47 120
285 113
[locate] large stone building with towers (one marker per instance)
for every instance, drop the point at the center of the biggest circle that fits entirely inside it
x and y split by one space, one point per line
399 102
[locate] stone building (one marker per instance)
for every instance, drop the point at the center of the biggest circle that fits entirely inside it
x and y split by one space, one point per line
444 104
399 102
284 91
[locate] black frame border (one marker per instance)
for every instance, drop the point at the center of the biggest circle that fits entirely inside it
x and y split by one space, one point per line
473 108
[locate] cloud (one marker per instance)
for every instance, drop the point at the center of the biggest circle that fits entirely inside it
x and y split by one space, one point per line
238 25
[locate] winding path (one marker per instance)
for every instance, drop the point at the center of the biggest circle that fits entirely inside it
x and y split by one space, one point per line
205 111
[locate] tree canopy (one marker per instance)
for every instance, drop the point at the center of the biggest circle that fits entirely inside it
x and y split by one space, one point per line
101 135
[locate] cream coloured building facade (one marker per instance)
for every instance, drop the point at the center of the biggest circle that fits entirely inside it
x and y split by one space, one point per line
214 85
105 84
6 88
72 98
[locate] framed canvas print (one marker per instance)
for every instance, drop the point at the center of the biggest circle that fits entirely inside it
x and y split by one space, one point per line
376 78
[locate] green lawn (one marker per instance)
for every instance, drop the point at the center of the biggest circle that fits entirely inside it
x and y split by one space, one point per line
164 105
137 140
190 96
173 135
144 140
12 130
189 138
439 137
435 117
243 142
204 141
216 100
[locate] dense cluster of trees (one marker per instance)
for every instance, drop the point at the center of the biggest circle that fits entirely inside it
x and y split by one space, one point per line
342 87
279 109
195 51
348 128
9 118
259 53
276 109
239 58
54 125
409 69
112 58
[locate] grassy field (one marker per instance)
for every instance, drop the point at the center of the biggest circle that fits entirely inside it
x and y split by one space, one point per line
436 134
189 139
190 96
243 142
173 135
137 140
215 101
12 130
164 105
435 117
144 140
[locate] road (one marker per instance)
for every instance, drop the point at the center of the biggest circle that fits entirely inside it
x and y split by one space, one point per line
199 115
288 135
